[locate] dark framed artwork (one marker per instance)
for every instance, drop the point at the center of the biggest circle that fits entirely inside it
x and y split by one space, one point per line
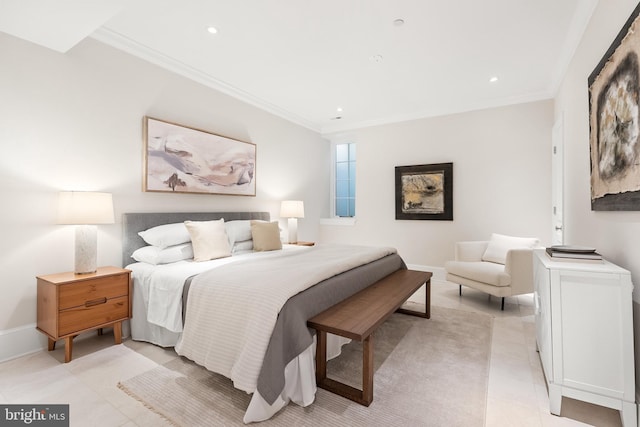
614 123
425 192
180 159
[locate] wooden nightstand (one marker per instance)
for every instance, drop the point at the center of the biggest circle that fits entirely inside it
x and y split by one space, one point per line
69 304
299 243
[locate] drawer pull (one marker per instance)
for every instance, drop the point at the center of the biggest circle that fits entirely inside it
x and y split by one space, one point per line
93 302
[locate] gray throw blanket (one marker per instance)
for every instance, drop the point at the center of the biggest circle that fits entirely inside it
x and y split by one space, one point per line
291 336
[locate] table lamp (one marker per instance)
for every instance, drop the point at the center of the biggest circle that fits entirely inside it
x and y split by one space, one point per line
292 209
85 209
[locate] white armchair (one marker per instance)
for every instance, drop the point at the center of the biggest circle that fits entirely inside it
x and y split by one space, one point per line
501 267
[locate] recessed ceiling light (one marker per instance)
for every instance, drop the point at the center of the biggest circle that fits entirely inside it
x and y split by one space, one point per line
339 109
493 79
398 22
212 29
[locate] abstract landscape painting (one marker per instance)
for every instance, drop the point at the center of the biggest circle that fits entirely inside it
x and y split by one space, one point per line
180 159
424 191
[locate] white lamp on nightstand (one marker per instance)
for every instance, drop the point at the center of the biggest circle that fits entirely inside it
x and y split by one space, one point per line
292 209
85 209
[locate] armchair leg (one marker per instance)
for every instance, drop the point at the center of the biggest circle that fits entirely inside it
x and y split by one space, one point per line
460 290
502 308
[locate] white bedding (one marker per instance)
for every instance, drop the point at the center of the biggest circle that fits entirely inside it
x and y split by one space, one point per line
158 290
157 301
232 310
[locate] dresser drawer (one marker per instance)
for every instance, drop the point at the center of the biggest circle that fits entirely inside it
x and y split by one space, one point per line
91 291
77 319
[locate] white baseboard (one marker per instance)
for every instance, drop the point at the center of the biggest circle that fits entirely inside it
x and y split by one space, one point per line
27 339
20 341
438 276
439 273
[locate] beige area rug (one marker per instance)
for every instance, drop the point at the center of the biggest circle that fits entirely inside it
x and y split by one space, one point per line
428 372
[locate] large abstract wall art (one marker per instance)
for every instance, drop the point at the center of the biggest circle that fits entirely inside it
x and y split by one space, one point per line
181 159
614 123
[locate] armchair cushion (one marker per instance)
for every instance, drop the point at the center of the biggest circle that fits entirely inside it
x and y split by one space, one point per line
485 272
500 244
503 270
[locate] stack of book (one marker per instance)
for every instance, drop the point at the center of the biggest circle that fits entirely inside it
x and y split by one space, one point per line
573 253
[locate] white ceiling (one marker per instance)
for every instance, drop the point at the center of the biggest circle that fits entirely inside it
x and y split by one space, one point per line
304 59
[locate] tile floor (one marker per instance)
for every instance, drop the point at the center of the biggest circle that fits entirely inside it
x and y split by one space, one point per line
517 393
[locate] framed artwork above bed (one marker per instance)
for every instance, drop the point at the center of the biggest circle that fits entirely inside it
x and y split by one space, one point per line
181 159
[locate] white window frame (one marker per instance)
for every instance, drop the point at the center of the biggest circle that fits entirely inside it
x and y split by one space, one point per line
334 219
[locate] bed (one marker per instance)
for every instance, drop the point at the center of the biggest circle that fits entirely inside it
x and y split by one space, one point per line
219 313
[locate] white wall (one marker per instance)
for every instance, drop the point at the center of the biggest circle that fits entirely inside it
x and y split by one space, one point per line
614 234
501 172
74 122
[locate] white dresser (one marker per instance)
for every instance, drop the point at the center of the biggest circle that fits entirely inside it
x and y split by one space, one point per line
584 332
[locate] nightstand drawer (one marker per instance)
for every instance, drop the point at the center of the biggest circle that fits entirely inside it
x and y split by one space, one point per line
79 293
98 312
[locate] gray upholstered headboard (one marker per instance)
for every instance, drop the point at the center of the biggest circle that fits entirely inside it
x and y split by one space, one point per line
132 223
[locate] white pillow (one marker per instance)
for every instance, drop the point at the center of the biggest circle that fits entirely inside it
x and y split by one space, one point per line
166 235
209 239
499 245
155 255
238 231
247 245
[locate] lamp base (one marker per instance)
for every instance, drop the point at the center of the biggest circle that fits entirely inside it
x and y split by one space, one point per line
293 230
86 252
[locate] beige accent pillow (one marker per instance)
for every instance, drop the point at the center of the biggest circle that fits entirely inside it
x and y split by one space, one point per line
209 239
500 244
266 236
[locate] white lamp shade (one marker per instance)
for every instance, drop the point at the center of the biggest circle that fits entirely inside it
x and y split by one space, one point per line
292 209
85 208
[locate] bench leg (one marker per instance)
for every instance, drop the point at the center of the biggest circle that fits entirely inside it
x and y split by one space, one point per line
364 396
427 301
321 357
367 370
427 304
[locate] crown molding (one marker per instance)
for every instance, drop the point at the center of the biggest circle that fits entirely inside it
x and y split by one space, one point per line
575 32
125 44
328 131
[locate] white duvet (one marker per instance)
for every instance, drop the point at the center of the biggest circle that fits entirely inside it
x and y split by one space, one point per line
158 295
231 310
161 286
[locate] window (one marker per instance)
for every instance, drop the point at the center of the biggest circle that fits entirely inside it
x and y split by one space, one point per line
345 180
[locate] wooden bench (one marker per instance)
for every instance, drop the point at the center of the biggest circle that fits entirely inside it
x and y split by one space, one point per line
357 317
